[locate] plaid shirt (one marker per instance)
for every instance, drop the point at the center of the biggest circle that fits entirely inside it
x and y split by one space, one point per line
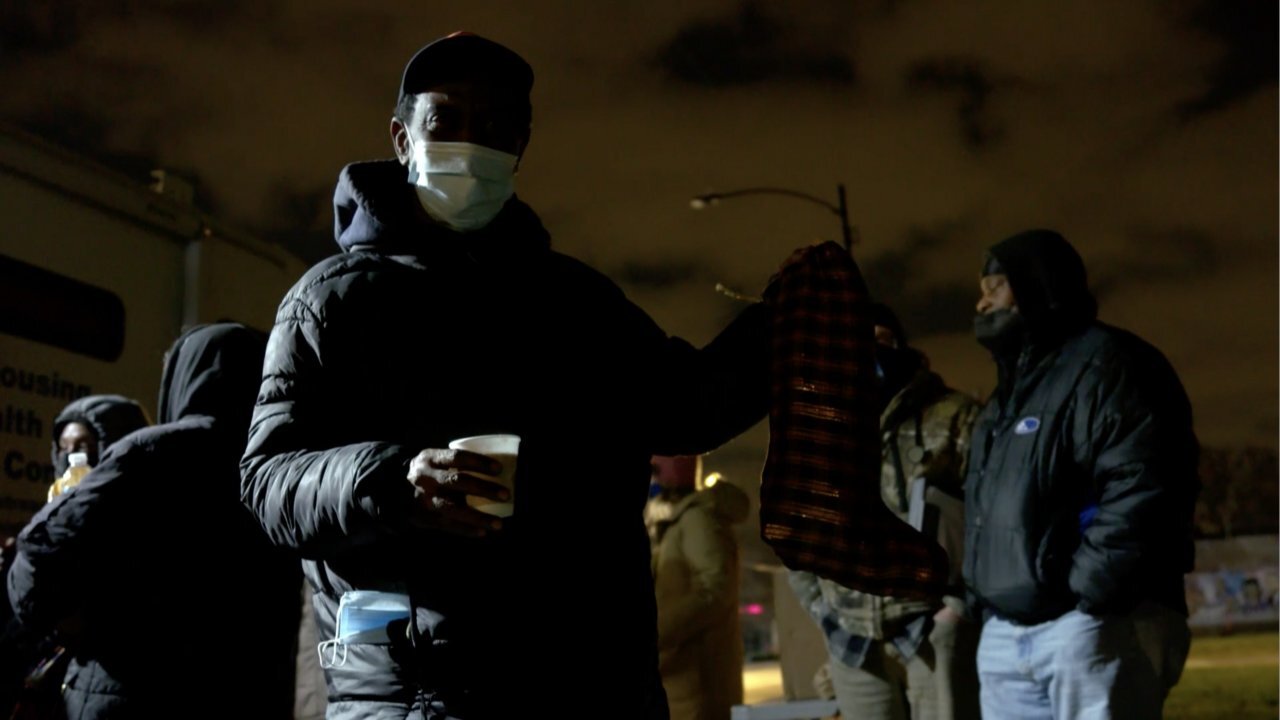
851 621
851 650
820 507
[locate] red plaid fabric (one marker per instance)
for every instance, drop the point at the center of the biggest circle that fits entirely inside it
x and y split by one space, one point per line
820 503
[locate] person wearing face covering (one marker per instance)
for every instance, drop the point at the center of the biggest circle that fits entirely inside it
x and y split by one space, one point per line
151 572
89 425
448 315
893 658
1079 499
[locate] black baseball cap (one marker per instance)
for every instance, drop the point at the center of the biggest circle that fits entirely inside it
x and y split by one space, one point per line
465 56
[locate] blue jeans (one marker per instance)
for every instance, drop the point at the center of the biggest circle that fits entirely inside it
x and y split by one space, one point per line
1077 667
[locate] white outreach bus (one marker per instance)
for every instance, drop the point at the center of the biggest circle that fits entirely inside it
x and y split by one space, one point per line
98 275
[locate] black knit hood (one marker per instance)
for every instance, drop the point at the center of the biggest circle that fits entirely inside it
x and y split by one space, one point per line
1049 282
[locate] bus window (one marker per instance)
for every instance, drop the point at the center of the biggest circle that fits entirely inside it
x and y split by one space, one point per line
53 309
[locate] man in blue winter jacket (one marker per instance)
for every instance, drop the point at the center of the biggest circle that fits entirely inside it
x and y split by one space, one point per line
1079 499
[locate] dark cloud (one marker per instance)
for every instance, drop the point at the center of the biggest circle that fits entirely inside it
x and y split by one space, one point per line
887 273
77 117
205 16
1156 256
28 28
659 274
925 308
937 309
1248 31
76 127
748 47
972 82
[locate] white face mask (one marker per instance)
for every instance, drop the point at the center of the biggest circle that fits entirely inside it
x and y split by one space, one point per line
459 184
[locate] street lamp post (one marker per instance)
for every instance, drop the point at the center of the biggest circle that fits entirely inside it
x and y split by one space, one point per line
840 209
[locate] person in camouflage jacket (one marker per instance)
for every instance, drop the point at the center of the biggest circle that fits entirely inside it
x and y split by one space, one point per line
885 649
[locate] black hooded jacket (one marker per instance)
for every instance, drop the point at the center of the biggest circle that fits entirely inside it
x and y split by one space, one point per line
111 417
417 335
1082 474
184 607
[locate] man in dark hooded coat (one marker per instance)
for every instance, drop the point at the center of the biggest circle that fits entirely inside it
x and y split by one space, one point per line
90 425
449 315
152 572
1079 499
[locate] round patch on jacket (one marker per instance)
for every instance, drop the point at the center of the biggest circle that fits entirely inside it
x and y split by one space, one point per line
1027 425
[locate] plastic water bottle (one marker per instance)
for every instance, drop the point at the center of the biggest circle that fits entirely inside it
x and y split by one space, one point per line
77 468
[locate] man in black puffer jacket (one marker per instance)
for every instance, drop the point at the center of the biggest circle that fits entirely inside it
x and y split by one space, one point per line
1079 500
448 315
157 579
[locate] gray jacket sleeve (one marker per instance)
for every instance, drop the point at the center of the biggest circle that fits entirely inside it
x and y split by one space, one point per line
308 492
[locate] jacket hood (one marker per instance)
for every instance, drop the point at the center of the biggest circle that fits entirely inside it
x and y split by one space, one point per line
111 417
723 499
1048 280
375 207
214 371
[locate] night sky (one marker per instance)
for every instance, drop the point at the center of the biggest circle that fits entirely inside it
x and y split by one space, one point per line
1145 131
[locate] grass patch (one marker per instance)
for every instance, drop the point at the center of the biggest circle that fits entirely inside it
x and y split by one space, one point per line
1220 647
1229 677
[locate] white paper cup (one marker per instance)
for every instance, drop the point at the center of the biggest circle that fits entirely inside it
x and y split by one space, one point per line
503 448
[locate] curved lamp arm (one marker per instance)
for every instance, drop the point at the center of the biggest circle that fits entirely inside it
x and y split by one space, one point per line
705 201
840 210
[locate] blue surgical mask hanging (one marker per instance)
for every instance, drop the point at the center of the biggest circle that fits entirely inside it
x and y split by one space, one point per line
363 617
